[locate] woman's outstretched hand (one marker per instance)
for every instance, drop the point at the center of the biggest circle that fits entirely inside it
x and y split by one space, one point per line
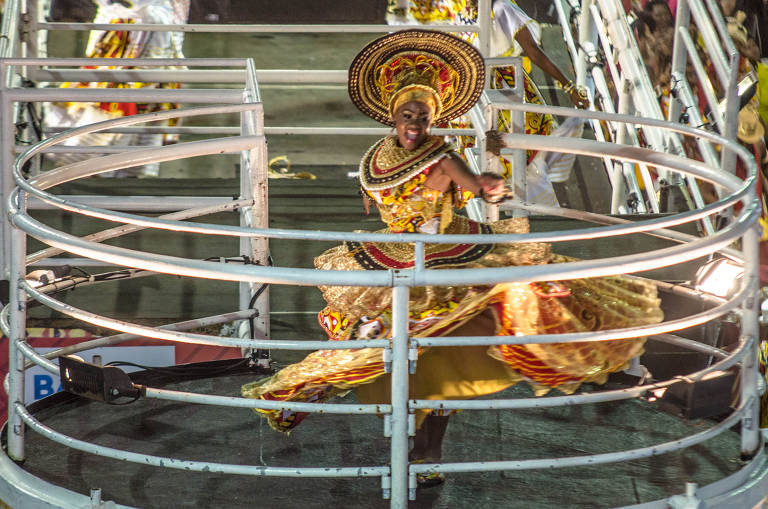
492 188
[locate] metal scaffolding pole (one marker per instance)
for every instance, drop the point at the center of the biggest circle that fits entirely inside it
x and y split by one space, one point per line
18 334
750 396
399 419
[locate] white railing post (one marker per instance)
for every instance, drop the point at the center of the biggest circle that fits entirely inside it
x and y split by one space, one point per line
399 440
567 34
620 169
488 161
484 27
519 157
728 157
17 322
679 57
254 186
6 158
628 57
31 35
587 42
750 424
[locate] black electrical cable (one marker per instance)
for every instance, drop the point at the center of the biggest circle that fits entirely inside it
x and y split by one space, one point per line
36 121
33 121
247 260
259 353
181 370
251 324
81 271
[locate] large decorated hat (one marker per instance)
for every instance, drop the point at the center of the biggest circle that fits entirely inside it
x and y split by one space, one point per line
434 67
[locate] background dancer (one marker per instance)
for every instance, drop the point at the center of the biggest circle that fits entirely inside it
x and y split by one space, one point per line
513 34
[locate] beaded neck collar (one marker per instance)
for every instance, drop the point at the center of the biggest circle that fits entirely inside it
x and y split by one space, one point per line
387 165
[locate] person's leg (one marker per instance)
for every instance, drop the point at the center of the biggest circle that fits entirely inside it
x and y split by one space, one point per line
428 448
436 432
420 442
428 441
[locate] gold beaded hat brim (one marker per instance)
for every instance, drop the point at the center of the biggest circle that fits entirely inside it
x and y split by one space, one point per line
453 68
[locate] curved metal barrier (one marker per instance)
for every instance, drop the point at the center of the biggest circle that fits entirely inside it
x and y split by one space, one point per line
398 477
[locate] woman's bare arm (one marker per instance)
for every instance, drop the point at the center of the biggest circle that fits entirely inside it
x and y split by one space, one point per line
453 170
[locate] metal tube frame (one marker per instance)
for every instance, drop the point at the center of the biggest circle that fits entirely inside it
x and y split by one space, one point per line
604 22
402 482
401 475
9 95
589 31
17 333
254 188
398 475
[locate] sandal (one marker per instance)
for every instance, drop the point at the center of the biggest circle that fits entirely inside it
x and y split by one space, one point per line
427 479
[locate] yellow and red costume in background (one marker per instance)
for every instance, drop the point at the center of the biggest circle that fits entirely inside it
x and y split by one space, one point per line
503 43
124 44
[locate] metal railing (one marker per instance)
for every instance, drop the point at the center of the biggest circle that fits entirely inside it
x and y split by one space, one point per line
603 35
605 51
60 70
398 477
252 209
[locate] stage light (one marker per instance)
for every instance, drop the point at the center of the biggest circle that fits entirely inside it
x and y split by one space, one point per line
709 396
100 383
719 277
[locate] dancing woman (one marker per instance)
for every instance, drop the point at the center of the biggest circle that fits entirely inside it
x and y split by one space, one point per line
410 80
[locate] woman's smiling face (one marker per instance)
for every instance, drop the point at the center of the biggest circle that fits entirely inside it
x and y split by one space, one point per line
412 122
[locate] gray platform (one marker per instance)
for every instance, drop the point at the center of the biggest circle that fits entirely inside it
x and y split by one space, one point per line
237 436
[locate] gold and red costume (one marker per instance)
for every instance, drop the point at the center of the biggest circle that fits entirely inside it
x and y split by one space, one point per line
447 74
394 179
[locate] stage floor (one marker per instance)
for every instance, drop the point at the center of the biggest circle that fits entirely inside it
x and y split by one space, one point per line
227 435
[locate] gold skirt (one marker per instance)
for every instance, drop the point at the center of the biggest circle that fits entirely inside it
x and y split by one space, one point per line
579 305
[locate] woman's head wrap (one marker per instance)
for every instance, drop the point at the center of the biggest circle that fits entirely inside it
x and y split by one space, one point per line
435 68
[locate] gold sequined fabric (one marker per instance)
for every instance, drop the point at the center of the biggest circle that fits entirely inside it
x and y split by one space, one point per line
591 305
361 301
518 309
395 179
387 165
521 309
